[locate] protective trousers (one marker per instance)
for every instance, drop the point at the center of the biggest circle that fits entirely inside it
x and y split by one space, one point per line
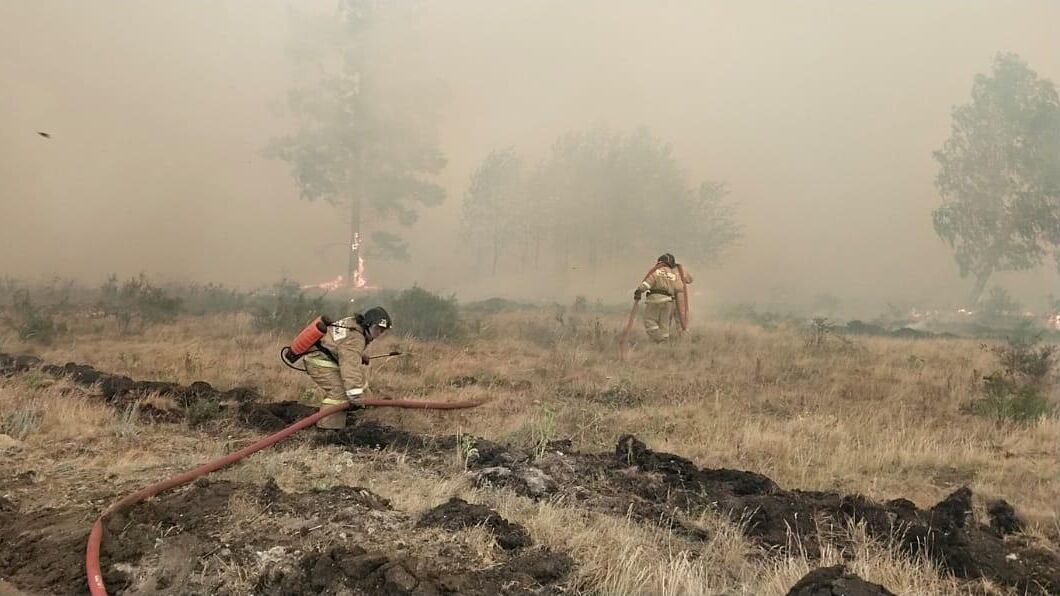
657 319
325 373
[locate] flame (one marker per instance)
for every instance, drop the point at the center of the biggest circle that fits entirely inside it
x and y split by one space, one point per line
359 281
330 285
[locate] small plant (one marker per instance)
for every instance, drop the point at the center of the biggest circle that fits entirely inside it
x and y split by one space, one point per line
126 424
202 410
819 331
581 304
542 430
467 450
21 423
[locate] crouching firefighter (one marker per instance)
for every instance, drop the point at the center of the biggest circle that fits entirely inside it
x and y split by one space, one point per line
665 286
335 358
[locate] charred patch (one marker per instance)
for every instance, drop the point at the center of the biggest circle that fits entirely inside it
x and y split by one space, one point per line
457 514
836 581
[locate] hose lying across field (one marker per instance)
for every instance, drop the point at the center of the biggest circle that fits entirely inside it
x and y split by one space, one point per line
95 537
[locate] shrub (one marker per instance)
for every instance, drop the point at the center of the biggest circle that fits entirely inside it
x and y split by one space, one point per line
286 308
1017 391
137 300
1005 399
426 315
212 298
32 322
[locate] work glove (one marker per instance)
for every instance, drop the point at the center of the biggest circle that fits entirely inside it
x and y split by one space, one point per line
365 360
638 293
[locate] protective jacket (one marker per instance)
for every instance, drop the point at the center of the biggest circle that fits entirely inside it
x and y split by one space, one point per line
662 286
338 366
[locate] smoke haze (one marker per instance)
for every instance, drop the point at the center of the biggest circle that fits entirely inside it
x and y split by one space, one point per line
821 117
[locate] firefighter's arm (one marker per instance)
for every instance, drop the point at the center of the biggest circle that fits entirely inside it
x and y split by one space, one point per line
354 372
645 285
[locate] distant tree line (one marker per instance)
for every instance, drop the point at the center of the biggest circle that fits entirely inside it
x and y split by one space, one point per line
597 197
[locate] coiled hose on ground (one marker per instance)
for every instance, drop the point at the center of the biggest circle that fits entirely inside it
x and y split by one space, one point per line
95 538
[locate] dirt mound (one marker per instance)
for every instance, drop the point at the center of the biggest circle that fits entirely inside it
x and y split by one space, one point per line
457 514
353 570
371 435
274 416
1003 518
947 532
194 402
119 388
43 552
668 490
15 363
835 581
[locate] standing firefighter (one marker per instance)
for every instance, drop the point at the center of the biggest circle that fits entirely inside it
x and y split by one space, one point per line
665 286
337 362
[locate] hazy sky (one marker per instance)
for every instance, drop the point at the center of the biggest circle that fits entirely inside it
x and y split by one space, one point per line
820 116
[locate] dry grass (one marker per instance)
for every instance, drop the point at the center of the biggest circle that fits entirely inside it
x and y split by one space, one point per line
881 417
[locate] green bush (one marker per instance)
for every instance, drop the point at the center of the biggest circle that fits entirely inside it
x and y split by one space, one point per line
211 299
137 300
31 321
426 315
286 308
1017 392
1005 399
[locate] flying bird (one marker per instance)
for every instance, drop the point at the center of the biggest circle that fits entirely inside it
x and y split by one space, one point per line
44 134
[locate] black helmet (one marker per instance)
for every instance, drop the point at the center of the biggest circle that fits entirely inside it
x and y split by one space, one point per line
377 316
668 260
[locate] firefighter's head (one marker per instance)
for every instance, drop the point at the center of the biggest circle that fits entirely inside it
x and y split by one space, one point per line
668 260
377 322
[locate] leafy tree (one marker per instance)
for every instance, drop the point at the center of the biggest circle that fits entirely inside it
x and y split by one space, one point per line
491 205
365 134
599 197
710 226
999 174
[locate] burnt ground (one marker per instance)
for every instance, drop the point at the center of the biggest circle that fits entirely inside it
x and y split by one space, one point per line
335 541
633 482
835 581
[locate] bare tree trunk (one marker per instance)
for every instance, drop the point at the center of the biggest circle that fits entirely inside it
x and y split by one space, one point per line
496 251
355 234
356 238
980 284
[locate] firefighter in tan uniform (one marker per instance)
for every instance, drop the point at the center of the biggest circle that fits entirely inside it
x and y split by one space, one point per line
663 285
338 364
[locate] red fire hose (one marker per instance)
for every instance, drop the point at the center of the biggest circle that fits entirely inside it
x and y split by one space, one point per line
95 537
